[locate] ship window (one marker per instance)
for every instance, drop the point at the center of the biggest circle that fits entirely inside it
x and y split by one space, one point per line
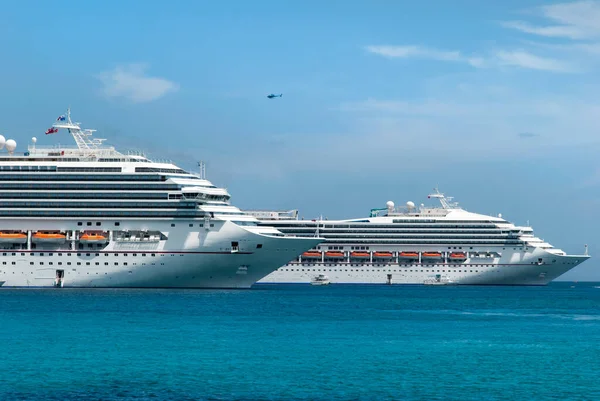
78 263
79 223
117 223
172 224
116 263
89 223
258 246
125 264
69 263
98 223
105 263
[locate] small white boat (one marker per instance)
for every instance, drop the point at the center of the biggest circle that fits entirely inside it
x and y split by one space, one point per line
439 280
2 283
321 279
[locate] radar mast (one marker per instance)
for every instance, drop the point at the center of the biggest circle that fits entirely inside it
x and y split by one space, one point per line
83 137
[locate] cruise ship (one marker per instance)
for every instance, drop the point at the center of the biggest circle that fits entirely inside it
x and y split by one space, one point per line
90 216
442 244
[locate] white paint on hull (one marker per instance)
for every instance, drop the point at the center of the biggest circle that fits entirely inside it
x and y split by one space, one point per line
187 259
525 270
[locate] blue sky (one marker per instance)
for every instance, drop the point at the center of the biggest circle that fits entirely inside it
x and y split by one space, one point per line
494 102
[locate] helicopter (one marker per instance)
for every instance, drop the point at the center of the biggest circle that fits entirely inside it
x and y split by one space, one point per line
271 96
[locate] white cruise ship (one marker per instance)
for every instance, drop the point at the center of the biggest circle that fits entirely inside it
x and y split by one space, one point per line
419 245
90 216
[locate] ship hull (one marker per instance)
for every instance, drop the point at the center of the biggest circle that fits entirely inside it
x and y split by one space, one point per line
516 269
188 259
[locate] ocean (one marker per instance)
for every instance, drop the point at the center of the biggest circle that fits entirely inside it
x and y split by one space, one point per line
302 343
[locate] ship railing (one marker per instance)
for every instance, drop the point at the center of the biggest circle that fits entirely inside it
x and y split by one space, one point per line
273 214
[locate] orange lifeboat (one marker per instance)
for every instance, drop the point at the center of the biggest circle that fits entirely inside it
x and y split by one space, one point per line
383 254
457 256
13 237
92 238
431 255
49 237
361 255
311 254
409 255
334 254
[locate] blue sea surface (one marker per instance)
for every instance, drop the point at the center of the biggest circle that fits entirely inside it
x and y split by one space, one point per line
302 342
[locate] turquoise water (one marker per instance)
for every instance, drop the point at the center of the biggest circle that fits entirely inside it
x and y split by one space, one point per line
309 343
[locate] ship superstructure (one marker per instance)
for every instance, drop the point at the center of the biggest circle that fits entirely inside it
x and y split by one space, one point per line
90 216
413 245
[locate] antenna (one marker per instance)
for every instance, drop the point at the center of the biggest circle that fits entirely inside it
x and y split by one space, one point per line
83 137
202 168
586 250
446 201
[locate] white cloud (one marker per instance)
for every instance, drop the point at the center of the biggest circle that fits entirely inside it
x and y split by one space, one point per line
555 31
578 20
131 82
583 15
524 59
414 51
518 58
421 52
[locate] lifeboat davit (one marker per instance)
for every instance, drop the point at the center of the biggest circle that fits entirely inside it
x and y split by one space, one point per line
383 254
49 237
409 255
431 255
360 255
13 237
92 238
457 256
334 254
311 254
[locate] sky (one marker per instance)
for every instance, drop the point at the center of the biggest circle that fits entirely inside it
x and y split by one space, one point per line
494 102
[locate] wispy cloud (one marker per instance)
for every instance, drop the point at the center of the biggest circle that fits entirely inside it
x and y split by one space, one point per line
523 59
413 51
514 58
556 31
131 82
573 20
